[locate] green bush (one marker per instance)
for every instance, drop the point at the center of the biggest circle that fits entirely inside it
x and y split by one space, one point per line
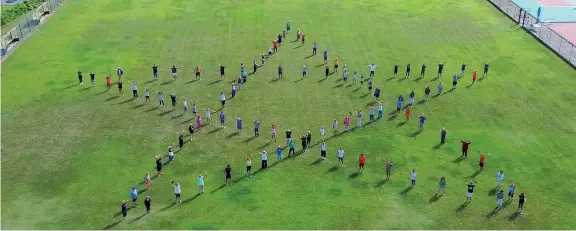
18 10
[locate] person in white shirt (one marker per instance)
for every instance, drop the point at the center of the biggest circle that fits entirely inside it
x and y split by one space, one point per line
185 104
264 159
222 99
372 69
177 191
322 131
147 95
200 180
134 89
341 156
413 177
500 178
208 112
323 151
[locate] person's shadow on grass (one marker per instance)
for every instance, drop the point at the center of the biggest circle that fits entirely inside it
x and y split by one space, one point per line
462 206
435 198
380 183
406 191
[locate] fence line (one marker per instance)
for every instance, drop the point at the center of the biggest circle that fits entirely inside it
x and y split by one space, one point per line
541 30
26 25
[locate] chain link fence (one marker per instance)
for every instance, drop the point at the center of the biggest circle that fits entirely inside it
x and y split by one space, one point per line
15 32
541 30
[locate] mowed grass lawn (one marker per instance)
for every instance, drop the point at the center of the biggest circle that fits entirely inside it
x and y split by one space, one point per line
70 153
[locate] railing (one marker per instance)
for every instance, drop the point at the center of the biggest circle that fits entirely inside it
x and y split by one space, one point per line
541 30
15 32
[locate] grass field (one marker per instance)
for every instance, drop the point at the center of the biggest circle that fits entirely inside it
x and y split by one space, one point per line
70 153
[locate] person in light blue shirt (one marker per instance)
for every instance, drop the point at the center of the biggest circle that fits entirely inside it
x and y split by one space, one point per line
222 100
200 180
422 119
239 124
304 70
134 196
314 48
279 153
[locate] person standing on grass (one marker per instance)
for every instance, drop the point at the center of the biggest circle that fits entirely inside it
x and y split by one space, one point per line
273 133
304 70
239 82
463 69
200 180
134 196
359 115
269 51
346 123
380 110
371 113
500 199
314 48
511 190
159 165
443 136
284 33
441 185
228 172
264 156
345 74
279 39
263 58
174 71
173 99
377 93
233 91
327 70
208 112
155 71
194 109
499 178
399 105
427 92
298 33
370 85
292 146
248 167
322 132
147 95
275 46
340 157
336 64
181 141
93 79
222 71
440 88
335 125
521 200
470 192
134 89
304 142
413 174
422 119
388 169
288 137
474 75
254 66
197 71
354 77
372 69
170 154
177 191
323 151
256 128
407 113
361 162
303 38
411 98
222 121
280 71
147 204
481 162
486 67
191 131
108 82
222 100
440 69
308 139
325 56
465 146
185 106
80 77
288 26
124 210
198 123
279 153
148 181
160 99
454 81
239 124
120 90
422 70
119 72
408 70
395 70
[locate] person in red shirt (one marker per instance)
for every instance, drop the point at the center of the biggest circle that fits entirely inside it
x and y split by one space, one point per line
481 163
108 82
407 113
303 37
465 145
474 77
361 162
275 45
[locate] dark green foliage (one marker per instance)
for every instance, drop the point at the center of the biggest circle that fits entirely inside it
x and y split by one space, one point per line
19 9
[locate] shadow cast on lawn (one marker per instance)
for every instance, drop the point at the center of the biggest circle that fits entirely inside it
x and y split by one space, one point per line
463 206
380 183
435 198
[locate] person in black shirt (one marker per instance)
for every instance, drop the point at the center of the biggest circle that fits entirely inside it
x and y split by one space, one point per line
304 142
279 39
288 137
308 139
470 191
181 141
255 66
279 71
521 200
440 69
155 71
395 70
124 210
222 67
159 165
463 69
427 92
120 88
191 130
147 203
174 70
93 78
80 77
173 98
228 172
486 66
423 70
408 70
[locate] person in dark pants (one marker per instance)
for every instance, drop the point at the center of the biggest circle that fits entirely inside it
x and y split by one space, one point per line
222 71
124 210
93 78
279 39
147 203
255 66
443 136
80 77
181 141
465 145
314 48
155 71
521 200
173 98
304 142
279 71
264 159
256 128
292 146
486 67
228 173
327 71
422 70
308 139
408 70
440 69
395 70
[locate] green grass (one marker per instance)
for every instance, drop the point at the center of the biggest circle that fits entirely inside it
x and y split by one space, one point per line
71 153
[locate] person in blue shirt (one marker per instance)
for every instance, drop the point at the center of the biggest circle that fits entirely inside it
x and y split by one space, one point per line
304 70
422 119
134 196
124 210
398 107
325 56
279 153
377 93
222 119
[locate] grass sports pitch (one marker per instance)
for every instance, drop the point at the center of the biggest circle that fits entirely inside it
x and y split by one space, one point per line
71 153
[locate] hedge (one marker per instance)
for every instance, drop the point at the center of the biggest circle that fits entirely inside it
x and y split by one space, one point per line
19 9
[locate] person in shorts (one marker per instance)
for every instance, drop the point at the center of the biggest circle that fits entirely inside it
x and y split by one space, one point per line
173 98
159 165
222 71
80 77
228 173
340 157
511 190
470 191
323 151
248 167
177 191
197 70
174 70
147 95
200 180
120 90
134 196
361 162
222 100
336 64
108 82
93 78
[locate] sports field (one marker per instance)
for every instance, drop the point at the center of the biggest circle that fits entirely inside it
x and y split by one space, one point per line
71 153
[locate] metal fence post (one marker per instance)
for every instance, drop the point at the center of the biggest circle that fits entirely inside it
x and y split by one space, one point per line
571 50
21 34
